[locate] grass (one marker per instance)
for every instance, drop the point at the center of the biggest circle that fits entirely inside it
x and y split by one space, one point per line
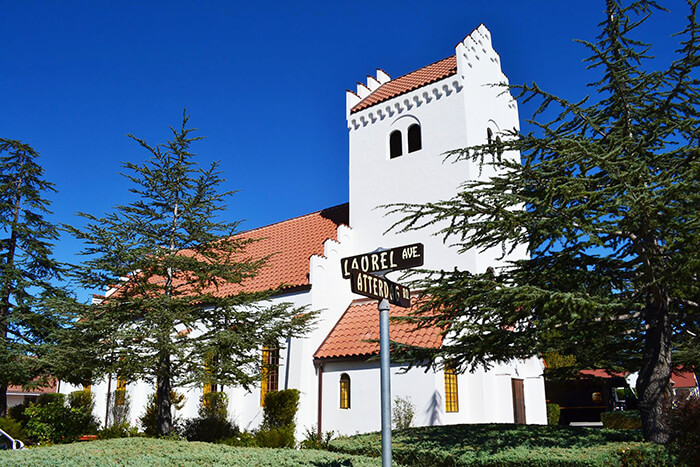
509 445
158 452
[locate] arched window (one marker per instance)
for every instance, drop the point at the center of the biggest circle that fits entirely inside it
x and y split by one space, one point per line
451 399
414 140
395 149
344 391
489 135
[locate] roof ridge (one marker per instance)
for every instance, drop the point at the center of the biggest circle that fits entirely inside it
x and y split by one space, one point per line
291 219
419 69
376 97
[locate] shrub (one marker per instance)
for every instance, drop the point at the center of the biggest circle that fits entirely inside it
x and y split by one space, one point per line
553 414
242 439
51 421
82 400
315 440
402 413
51 397
212 425
277 430
149 419
280 408
12 427
118 430
209 429
685 431
622 420
282 437
214 405
16 412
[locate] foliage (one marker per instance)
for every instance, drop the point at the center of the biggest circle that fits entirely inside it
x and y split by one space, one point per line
214 405
209 429
50 420
245 439
149 419
277 430
118 430
510 445
622 420
83 399
177 255
553 414
280 408
315 440
279 437
26 269
148 452
602 207
402 413
212 425
685 431
16 412
13 428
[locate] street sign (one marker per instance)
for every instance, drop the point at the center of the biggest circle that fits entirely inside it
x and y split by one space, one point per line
402 257
377 287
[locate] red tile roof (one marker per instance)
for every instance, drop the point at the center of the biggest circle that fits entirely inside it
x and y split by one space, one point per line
51 388
409 82
360 323
683 379
600 373
289 245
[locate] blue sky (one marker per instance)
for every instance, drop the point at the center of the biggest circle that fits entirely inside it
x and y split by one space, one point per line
264 81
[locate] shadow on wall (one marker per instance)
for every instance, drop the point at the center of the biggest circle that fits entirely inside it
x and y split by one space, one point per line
434 409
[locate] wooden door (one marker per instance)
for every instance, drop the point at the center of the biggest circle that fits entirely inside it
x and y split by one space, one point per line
518 401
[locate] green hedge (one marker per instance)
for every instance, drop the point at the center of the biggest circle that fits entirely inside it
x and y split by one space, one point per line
510 445
622 420
150 452
553 414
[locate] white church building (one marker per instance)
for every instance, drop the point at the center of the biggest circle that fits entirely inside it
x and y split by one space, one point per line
399 130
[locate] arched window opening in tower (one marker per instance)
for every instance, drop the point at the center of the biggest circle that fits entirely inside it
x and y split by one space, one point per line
414 138
395 149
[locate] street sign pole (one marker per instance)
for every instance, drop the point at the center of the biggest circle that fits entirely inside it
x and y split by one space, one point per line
366 274
385 375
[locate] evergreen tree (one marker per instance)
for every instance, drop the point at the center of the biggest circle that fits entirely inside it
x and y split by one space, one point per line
26 267
606 199
165 258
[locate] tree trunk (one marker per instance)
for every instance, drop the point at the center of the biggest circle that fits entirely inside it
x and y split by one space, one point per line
7 289
653 384
3 399
165 422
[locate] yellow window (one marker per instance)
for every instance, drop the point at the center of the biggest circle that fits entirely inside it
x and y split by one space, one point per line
451 399
344 391
120 393
270 372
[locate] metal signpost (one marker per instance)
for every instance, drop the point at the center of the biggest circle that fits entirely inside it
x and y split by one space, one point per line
359 270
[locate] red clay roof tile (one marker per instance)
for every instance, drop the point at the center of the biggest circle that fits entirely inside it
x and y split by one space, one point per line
360 323
409 82
289 244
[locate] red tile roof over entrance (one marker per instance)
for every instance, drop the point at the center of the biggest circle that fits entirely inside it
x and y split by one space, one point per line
409 82
290 243
360 323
